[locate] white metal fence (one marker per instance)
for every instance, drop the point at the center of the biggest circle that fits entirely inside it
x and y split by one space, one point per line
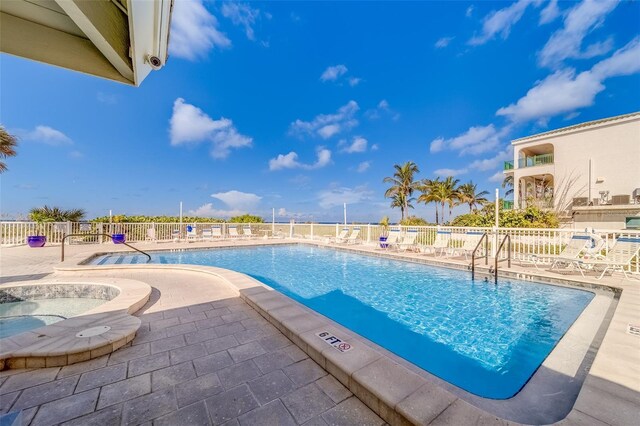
525 242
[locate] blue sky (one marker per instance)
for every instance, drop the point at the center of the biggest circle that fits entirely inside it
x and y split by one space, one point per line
303 106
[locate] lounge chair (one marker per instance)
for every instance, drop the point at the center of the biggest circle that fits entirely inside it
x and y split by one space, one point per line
192 234
408 241
392 239
233 232
175 235
342 237
354 238
576 246
440 244
207 235
470 243
617 258
151 235
247 232
216 231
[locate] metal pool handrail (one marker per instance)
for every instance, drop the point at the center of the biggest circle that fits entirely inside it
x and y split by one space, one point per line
484 237
506 238
101 235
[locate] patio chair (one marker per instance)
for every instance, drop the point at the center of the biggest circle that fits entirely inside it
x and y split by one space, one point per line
470 243
624 250
192 234
408 241
577 245
207 235
354 238
440 244
151 235
175 235
233 232
216 231
247 233
342 237
392 239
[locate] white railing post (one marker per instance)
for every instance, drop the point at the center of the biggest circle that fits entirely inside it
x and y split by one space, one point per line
311 232
368 232
291 222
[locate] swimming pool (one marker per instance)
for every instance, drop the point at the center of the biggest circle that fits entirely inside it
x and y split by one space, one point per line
487 339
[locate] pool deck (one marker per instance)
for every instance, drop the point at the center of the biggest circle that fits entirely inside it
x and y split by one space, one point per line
610 393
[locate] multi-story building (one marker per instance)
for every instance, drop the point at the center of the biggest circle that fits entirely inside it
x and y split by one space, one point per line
589 173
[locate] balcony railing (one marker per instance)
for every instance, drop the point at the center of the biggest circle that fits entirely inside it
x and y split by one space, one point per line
508 165
507 205
535 160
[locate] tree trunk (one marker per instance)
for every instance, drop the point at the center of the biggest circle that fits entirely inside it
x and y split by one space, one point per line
442 213
436 214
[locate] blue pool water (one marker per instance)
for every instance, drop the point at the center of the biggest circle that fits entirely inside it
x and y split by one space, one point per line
487 339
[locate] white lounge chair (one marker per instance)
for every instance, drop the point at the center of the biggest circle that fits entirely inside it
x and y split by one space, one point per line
247 232
440 244
175 235
617 258
151 235
577 245
470 243
216 231
342 236
392 239
233 232
192 234
354 238
207 235
408 241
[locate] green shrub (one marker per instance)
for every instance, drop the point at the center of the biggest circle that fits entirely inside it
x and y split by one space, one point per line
414 221
531 217
246 218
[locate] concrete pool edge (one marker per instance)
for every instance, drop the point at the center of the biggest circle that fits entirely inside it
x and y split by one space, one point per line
56 345
385 405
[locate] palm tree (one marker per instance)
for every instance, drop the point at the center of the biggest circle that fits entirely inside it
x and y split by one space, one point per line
400 200
56 214
429 193
468 195
446 192
7 147
402 183
508 183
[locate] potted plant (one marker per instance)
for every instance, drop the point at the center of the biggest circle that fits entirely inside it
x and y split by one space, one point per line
384 222
118 237
39 239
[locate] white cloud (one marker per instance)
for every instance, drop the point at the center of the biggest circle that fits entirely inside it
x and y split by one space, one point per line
469 11
500 22
190 125
450 172
565 91
333 73
363 167
567 41
207 210
493 162
354 81
290 161
282 211
194 31
359 144
476 140
381 109
550 12
338 196
497 177
238 200
241 14
47 135
443 42
327 125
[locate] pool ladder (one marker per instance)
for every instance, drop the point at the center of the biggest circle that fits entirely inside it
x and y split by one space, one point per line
100 235
492 270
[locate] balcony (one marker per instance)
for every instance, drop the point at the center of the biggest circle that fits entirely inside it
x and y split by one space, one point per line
508 165
507 205
535 160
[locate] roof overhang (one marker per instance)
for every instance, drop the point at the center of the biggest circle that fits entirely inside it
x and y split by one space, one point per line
112 39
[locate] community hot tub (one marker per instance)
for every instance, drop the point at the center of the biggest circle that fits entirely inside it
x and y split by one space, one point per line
54 323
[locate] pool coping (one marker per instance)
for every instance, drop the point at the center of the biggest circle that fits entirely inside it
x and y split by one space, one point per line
56 345
300 324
